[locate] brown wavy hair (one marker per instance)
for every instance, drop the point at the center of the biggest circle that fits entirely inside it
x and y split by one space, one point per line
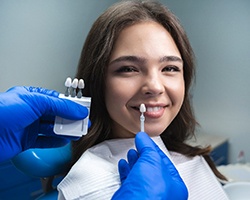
93 64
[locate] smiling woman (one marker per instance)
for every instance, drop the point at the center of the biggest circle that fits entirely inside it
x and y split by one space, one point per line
146 74
137 52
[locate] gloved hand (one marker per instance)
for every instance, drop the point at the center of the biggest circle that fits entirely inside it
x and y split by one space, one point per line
149 174
27 117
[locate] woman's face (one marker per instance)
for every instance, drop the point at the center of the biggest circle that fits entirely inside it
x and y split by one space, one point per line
145 67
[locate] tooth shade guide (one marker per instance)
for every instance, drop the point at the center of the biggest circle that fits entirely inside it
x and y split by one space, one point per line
142 118
68 82
71 87
142 108
75 83
76 128
81 84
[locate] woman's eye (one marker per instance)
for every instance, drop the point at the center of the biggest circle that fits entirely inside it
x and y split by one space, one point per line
171 69
126 69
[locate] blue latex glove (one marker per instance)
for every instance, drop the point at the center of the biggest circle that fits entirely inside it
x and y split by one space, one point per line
27 117
149 174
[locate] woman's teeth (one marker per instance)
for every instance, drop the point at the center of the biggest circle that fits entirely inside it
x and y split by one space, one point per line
153 109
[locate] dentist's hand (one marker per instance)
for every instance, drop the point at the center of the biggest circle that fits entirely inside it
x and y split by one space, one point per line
149 174
27 116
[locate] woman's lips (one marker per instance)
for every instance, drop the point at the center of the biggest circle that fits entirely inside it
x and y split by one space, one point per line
154 112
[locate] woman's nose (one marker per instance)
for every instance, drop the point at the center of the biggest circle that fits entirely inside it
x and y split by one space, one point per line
152 85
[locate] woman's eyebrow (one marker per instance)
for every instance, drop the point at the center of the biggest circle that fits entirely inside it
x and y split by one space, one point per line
135 59
141 60
171 58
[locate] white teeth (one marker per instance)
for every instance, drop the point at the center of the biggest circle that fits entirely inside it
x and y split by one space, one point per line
153 109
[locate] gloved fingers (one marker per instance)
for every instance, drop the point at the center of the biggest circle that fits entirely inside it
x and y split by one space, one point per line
44 101
173 173
18 89
41 90
66 108
12 148
168 163
132 157
44 105
146 149
166 159
144 143
124 169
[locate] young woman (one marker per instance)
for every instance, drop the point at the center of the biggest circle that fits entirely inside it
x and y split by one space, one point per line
137 52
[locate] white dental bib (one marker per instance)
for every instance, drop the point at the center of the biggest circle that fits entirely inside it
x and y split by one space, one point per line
95 175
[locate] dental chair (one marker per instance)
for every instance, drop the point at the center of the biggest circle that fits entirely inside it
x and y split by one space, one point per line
48 164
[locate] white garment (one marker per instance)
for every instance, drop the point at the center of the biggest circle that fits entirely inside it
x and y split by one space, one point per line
95 175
